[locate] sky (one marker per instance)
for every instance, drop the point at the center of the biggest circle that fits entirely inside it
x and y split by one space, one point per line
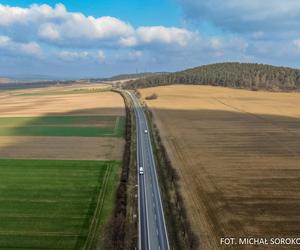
80 39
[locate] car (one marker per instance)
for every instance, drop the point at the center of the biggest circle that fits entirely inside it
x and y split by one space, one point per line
146 131
141 171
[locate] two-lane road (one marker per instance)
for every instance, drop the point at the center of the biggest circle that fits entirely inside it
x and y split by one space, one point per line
152 226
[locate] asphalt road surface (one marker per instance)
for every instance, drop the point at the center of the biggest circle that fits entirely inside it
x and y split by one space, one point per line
152 226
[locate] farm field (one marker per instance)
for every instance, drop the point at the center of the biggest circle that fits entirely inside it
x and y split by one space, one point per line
62 126
34 102
60 162
237 153
48 204
65 90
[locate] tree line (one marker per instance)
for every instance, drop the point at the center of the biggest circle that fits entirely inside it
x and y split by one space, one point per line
236 75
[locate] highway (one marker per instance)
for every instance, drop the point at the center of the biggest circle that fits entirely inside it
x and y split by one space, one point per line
152 226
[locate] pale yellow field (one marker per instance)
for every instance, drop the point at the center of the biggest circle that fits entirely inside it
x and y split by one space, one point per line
237 153
59 101
99 103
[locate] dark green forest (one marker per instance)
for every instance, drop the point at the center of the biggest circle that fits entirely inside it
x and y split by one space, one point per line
235 75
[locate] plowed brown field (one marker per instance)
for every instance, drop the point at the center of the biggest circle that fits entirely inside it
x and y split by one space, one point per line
237 153
61 148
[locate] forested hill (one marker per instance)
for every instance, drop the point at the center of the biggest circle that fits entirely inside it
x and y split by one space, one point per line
236 75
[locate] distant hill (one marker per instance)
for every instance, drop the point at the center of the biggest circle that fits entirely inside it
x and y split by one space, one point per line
30 78
34 84
129 76
5 80
235 75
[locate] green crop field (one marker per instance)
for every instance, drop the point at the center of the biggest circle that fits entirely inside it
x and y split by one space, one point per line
58 126
48 204
54 120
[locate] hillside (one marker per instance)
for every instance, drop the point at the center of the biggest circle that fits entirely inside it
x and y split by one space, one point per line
131 76
236 75
128 76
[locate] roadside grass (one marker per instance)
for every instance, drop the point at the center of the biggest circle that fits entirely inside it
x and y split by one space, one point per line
49 204
58 126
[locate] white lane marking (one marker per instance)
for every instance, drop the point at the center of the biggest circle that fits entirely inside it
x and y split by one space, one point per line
144 121
156 180
145 188
139 139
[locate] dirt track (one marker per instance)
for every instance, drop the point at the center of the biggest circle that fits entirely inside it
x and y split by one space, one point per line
238 156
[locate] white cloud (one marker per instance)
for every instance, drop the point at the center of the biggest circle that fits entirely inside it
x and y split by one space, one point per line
133 55
49 32
87 29
101 56
216 43
68 55
297 43
9 46
57 26
73 55
128 41
26 16
4 41
160 34
221 44
31 48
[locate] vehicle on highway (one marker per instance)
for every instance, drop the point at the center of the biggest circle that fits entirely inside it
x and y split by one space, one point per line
146 131
141 171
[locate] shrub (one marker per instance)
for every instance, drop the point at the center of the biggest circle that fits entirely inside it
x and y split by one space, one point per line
152 97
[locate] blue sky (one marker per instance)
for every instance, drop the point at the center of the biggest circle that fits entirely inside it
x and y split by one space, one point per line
101 38
137 12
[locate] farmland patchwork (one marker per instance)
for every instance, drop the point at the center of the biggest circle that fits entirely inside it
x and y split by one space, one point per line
60 165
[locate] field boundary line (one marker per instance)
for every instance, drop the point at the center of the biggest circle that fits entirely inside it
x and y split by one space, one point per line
117 126
100 202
